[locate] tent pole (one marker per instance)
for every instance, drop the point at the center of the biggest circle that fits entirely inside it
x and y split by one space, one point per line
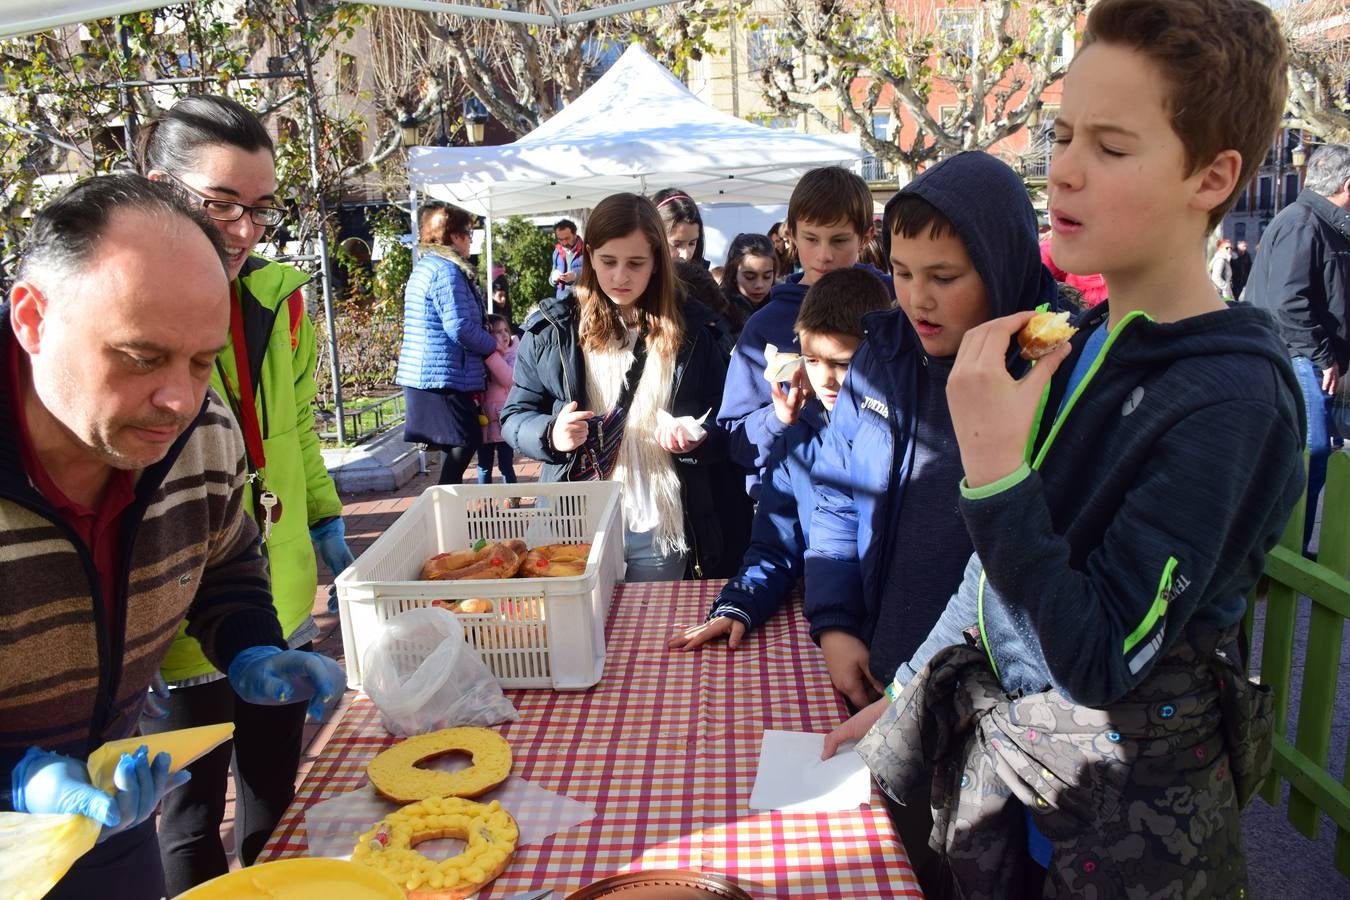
487 244
412 216
315 183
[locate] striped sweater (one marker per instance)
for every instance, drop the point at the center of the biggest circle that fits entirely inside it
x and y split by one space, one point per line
68 683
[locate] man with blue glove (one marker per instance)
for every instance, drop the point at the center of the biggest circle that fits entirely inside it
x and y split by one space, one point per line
122 492
49 782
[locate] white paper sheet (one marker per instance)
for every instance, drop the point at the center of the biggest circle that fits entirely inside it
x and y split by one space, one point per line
793 777
333 825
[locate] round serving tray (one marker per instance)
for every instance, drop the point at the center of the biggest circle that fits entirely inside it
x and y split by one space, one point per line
666 884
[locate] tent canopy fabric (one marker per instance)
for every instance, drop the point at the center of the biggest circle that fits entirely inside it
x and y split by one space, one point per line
19 17
28 16
636 129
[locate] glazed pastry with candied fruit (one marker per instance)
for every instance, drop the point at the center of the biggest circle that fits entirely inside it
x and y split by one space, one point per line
391 847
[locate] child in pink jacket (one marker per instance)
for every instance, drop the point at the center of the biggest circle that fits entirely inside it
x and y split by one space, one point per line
500 365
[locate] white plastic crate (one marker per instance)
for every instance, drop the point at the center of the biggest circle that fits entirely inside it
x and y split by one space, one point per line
542 632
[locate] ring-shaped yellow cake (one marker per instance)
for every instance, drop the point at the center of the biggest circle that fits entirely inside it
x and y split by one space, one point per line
396 775
390 847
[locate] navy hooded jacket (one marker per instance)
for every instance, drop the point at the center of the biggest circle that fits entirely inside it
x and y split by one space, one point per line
864 467
747 404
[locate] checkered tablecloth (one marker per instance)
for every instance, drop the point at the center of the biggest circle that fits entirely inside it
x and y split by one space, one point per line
665 747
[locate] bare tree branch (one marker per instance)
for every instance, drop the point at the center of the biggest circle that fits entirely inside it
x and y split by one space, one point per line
992 59
1319 68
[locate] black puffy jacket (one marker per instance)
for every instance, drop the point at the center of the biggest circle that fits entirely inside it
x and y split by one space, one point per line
1302 274
550 373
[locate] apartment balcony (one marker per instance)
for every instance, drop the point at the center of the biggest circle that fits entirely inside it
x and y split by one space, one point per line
876 170
1036 167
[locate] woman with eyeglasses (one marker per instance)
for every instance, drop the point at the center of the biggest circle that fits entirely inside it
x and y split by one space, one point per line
219 154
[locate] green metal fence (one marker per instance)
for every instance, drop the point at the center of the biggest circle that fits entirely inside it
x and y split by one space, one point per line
1303 761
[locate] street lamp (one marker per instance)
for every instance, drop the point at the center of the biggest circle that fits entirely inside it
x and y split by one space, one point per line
442 138
1299 155
475 119
407 126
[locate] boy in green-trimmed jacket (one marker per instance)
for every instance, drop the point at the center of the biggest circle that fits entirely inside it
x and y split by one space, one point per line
1082 699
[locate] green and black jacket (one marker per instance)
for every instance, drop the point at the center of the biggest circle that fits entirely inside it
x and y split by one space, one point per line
282 355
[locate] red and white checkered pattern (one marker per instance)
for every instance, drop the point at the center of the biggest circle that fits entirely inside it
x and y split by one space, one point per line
665 747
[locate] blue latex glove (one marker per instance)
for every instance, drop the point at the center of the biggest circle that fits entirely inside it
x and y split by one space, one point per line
331 539
46 782
271 676
156 699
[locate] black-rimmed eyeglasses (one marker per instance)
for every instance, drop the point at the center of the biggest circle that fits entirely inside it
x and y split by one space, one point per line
229 211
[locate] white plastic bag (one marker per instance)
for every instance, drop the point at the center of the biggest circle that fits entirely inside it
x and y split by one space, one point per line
422 676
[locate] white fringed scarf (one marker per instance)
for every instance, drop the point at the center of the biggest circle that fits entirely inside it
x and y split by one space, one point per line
651 487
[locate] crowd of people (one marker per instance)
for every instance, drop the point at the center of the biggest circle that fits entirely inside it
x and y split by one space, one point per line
970 528
1026 578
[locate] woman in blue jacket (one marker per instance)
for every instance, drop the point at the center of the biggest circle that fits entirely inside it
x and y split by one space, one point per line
445 340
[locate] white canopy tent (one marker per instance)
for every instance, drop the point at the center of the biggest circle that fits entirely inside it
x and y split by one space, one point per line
638 122
636 129
28 16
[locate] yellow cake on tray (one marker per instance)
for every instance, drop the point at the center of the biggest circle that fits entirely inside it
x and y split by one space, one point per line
489 832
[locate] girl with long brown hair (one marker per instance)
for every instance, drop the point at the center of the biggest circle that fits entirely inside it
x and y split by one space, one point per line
596 372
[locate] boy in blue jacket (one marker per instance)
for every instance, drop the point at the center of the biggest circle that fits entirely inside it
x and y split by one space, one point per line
829 329
1117 736
887 545
829 219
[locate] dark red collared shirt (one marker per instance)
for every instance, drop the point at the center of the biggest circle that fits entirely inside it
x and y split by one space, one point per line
100 527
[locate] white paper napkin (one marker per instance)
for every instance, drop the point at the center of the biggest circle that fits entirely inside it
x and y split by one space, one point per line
693 428
793 777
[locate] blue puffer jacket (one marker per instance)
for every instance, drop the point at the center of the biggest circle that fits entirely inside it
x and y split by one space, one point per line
782 527
445 334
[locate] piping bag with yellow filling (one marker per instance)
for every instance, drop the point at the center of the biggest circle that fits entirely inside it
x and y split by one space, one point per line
37 849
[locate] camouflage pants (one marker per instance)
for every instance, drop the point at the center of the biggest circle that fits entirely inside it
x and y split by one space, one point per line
1139 800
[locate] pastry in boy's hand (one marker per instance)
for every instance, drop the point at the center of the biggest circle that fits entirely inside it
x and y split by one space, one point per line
779 366
1044 333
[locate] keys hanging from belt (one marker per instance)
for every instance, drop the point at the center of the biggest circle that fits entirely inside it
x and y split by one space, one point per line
267 505
269 513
